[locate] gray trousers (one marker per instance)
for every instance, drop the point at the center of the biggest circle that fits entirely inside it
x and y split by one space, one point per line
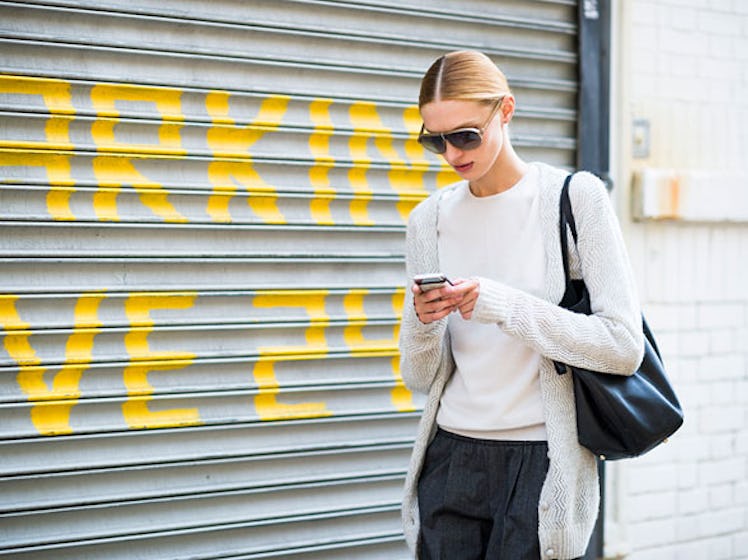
478 499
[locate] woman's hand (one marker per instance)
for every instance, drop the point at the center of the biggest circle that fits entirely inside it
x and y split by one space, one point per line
436 304
470 290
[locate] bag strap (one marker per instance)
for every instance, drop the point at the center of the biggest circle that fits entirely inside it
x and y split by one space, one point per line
566 218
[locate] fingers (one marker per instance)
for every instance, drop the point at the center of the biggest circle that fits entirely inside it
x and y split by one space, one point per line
470 290
466 308
432 305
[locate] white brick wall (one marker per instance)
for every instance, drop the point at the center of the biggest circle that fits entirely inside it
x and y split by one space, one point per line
683 65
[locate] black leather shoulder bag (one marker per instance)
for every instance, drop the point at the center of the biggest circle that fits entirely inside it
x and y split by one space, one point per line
618 416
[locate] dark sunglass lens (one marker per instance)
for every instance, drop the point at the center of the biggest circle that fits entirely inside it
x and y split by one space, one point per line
433 143
464 139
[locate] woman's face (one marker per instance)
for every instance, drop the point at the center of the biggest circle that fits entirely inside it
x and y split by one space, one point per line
448 115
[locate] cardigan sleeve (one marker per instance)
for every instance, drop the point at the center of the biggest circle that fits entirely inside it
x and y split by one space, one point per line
423 347
609 340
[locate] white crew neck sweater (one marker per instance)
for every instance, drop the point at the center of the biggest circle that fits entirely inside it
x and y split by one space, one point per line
495 390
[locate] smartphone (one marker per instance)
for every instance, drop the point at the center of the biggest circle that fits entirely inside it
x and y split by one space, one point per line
431 281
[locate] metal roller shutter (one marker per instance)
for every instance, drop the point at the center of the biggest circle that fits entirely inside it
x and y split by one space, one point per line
202 211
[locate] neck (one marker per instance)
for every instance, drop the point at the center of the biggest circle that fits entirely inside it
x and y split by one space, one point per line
506 172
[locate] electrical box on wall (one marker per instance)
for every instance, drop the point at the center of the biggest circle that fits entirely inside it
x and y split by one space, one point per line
689 195
640 138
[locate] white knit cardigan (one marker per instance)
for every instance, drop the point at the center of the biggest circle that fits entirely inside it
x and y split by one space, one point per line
610 340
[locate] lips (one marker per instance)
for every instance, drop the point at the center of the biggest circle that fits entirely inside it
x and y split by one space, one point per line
465 167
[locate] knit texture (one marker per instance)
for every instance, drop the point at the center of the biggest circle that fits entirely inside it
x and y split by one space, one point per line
609 340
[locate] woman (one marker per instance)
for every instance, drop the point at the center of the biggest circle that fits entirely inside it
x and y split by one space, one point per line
496 470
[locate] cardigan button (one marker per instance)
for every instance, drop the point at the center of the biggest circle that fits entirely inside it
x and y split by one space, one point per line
544 506
550 553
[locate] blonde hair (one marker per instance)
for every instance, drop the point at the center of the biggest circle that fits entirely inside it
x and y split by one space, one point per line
463 76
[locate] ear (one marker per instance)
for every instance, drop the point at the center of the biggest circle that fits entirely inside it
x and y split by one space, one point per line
507 109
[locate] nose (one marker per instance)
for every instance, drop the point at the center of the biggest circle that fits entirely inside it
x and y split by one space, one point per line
452 153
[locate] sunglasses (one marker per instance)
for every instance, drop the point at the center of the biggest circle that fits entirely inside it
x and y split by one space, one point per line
461 138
